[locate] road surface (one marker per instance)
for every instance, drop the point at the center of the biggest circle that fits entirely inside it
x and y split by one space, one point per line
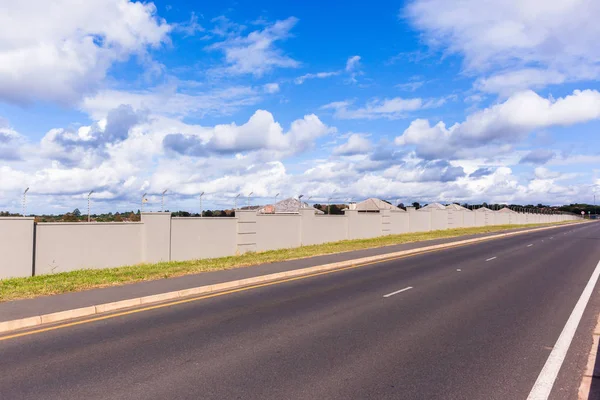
473 322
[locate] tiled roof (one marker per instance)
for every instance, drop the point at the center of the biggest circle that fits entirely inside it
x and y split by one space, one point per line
374 204
507 210
290 205
456 207
433 206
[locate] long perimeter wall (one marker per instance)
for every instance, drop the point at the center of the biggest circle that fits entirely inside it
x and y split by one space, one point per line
30 248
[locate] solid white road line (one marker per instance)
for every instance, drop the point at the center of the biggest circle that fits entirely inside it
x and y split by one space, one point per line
490 259
398 291
543 385
529 245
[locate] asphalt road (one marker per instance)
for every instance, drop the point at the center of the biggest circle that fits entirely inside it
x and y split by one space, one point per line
467 329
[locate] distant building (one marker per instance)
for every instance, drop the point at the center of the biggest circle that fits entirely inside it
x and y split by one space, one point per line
433 206
507 210
290 205
374 205
456 207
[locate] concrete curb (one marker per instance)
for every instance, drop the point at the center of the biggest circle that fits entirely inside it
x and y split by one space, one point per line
29 322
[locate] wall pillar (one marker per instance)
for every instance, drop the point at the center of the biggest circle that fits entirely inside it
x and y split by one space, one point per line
307 220
246 230
17 246
156 237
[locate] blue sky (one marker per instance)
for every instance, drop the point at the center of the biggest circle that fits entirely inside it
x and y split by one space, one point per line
425 100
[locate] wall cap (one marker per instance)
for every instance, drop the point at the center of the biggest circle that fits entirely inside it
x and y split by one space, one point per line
91 223
211 218
156 213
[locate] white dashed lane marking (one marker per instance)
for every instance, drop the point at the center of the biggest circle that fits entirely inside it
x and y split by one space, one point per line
398 291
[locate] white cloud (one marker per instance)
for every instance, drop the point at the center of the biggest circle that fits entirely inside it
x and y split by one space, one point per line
356 144
538 156
507 122
191 27
169 100
553 37
123 154
352 64
271 87
410 86
513 81
545 173
319 75
11 143
60 50
261 132
256 53
353 68
393 108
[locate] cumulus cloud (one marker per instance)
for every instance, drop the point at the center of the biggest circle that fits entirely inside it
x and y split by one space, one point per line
426 171
115 128
356 144
506 83
10 143
545 173
81 41
256 53
507 122
548 42
480 172
261 132
538 156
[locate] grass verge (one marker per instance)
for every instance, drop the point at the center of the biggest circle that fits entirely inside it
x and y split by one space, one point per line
64 282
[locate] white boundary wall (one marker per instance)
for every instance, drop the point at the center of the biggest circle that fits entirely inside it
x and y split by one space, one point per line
46 248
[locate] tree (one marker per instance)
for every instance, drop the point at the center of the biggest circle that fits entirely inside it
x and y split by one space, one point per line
416 205
76 212
69 217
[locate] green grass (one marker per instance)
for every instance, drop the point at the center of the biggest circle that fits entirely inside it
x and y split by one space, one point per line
64 282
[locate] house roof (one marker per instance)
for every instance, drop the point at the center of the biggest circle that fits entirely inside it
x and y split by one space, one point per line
290 205
374 204
481 209
507 210
456 207
433 206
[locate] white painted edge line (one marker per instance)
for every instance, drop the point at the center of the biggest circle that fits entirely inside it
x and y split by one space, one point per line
490 259
28 322
529 245
398 291
545 381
